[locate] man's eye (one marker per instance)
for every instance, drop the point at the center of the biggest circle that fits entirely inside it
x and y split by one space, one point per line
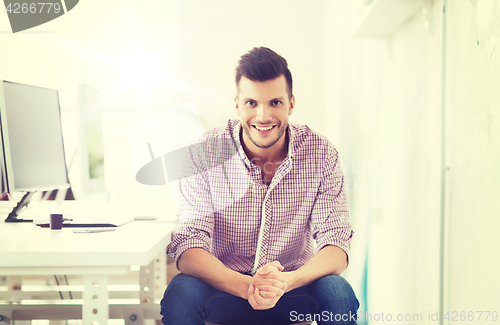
276 102
250 102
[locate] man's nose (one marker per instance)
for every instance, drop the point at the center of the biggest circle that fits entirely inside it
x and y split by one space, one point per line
263 113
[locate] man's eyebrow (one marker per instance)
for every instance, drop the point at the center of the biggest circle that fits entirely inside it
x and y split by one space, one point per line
281 98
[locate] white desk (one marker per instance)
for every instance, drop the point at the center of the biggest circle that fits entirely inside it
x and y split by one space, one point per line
26 249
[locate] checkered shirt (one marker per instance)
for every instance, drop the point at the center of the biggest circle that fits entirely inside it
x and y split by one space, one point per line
226 208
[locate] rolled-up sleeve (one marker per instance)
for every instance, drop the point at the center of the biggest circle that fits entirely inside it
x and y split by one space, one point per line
194 210
192 236
330 215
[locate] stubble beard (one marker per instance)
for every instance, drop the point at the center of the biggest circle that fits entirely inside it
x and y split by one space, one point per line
281 131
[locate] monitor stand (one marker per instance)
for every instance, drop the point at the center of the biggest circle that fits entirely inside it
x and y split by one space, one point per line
14 214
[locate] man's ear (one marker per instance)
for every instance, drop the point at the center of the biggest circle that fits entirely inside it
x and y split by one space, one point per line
292 106
236 105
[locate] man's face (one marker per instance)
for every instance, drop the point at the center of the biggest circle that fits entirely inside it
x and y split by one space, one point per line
263 108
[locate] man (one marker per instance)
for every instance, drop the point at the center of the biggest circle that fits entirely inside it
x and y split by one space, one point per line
246 245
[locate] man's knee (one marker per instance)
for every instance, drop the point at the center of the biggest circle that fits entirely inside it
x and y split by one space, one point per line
182 287
183 293
335 290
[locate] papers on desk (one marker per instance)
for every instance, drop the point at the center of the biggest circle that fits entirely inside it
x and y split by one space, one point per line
91 231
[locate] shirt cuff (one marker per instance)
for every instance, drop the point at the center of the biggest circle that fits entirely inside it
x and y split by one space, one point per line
334 241
185 244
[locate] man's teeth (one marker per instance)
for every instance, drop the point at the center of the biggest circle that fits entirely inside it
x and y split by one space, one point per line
267 128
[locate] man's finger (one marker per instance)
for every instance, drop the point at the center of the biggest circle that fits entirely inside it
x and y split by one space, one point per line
269 288
265 284
272 282
264 303
265 269
259 299
269 267
278 276
251 300
267 294
278 265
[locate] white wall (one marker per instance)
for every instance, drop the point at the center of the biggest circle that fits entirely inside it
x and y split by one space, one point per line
473 116
387 116
388 111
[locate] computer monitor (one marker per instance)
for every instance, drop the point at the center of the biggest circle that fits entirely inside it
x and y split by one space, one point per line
90 140
31 141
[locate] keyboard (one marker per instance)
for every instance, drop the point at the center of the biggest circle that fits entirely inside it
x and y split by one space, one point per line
80 225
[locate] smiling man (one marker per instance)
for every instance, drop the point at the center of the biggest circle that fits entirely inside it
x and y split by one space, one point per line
265 237
264 108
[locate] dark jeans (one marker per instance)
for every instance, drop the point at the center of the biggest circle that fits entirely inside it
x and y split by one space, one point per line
190 301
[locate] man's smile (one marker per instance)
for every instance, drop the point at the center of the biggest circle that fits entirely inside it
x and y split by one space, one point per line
263 128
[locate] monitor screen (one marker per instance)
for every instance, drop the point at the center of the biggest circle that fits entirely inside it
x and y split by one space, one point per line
91 144
33 150
4 192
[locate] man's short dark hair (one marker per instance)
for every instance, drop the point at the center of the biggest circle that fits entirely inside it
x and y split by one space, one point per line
262 64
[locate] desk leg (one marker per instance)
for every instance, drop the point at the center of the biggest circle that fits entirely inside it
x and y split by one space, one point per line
14 285
95 308
153 279
160 276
